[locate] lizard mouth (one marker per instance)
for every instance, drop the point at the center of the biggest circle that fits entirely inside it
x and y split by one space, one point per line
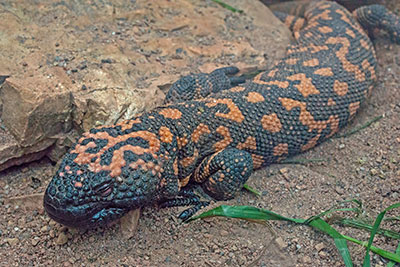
86 216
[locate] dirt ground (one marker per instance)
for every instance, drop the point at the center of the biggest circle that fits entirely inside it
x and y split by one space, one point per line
364 166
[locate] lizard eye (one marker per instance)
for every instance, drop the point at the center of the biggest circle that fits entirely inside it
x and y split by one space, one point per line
103 189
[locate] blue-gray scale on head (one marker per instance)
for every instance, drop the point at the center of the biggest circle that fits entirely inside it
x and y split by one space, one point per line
108 172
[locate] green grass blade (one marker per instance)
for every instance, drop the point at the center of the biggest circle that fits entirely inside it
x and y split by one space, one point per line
244 212
359 128
301 161
375 228
365 226
392 263
225 5
389 255
339 240
252 190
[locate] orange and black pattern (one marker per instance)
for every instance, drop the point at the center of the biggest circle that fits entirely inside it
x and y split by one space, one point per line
215 138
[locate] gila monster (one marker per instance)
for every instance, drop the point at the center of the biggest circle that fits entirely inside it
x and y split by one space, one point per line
213 131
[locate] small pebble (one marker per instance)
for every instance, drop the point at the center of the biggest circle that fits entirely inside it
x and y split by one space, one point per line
35 241
281 243
12 241
306 259
319 246
62 239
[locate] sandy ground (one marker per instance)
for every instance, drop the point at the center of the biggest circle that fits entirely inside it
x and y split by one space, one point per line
364 166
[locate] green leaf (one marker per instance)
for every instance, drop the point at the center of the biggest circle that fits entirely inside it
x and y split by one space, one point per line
339 240
392 263
375 227
252 190
225 5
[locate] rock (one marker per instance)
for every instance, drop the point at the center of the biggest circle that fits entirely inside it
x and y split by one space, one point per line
323 254
320 246
45 229
281 243
129 223
11 241
374 171
224 233
61 239
28 202
339 190
306 259
35 241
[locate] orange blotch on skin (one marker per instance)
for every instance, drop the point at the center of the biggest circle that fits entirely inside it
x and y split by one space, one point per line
117 161
334 125
353 107
306 117
325 29
234 113
175 167
323 15
237 89
170 113
257 161
227 139
281 149
298 24
317 48
340 88
288 20
200 130
367 66
292 61
341 54
182 141
78 184
324 72
297 50
331 102
311 143
165 134
271 73
311 63
365 44
280 84
345 16
271 123
305 86
254 97
183 182
308 34
201 174
350 33
250 143
186 162
127 124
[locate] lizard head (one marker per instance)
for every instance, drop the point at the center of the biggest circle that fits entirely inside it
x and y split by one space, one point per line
105 174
